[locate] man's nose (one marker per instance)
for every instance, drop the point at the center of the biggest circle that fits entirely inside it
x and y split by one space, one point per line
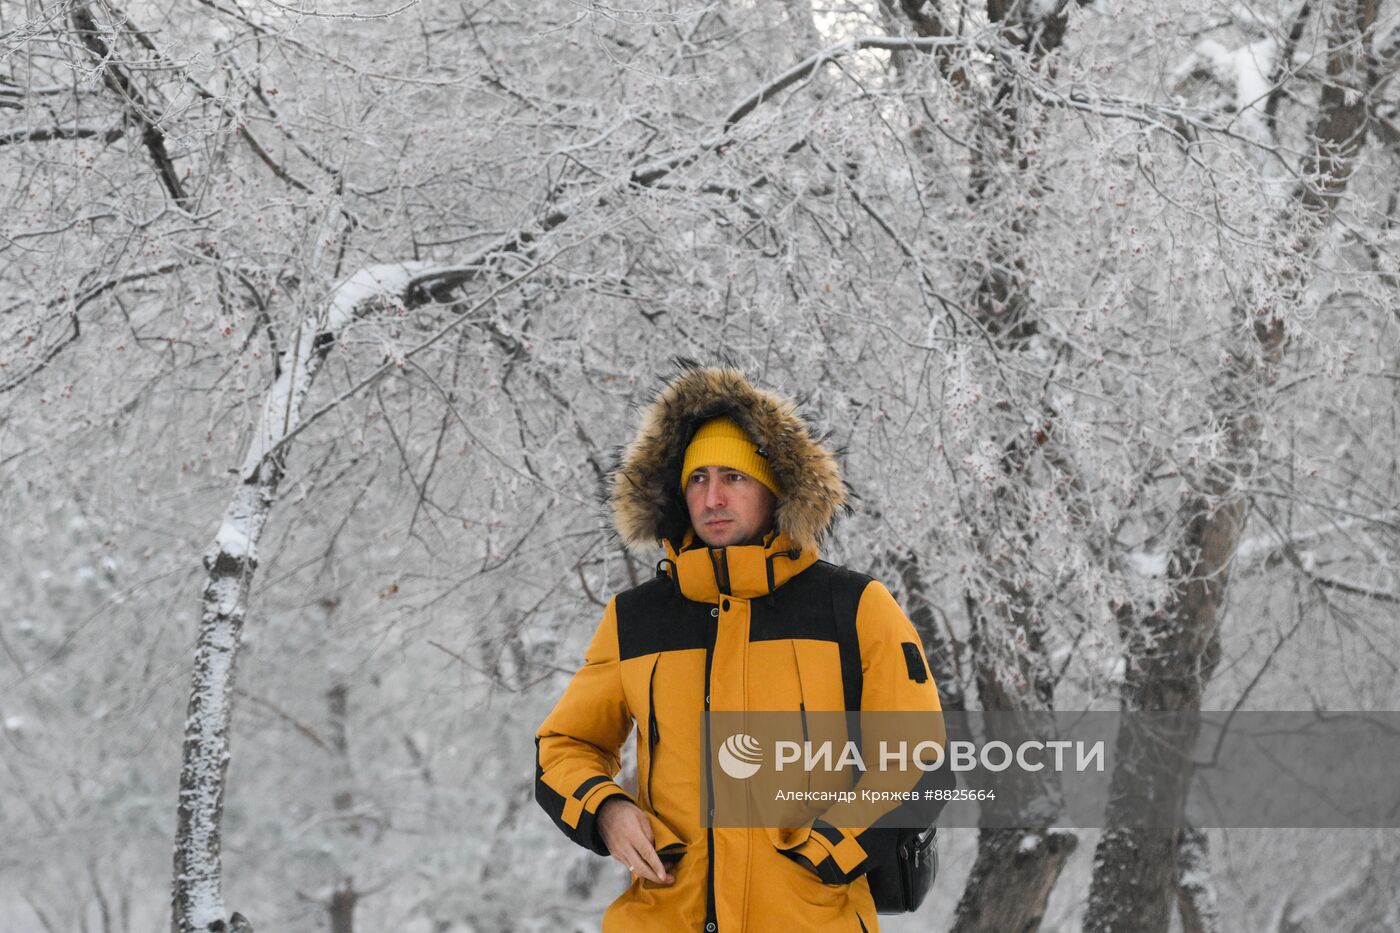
714 496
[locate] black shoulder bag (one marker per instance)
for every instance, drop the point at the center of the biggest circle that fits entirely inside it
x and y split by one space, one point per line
900 887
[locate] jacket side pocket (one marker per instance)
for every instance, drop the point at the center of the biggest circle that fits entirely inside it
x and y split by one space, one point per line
669 845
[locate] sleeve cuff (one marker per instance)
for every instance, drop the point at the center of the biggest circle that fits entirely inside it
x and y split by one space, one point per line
835 856
588 819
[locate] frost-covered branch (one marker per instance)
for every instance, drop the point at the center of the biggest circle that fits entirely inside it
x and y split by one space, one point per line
119 80
647 174
47 133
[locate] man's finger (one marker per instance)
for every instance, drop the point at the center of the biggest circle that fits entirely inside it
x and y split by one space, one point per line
634 860
648 850
646 828
643 861
652 863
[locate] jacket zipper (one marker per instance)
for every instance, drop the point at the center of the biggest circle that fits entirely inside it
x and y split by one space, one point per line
711 921
721 569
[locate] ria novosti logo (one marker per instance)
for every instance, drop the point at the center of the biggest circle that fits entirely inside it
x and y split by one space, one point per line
740 756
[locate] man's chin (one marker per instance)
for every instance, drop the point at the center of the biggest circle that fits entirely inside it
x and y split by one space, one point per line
720 538
728 538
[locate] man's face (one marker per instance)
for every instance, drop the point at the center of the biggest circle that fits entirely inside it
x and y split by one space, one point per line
728 506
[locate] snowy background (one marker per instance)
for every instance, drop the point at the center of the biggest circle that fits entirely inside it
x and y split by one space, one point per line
1100 302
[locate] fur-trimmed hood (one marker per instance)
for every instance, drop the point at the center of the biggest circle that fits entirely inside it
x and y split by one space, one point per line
645 489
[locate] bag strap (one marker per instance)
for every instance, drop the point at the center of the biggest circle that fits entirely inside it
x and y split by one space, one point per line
844 605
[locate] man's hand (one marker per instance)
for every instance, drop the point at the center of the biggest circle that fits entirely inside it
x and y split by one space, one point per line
626 832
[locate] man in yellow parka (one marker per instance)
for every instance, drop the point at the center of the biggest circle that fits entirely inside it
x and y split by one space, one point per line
743 615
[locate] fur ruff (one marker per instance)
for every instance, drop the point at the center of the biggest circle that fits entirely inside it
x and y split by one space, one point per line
647 503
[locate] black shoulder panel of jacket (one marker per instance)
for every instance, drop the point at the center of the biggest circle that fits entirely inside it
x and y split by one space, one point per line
653 617
819 603
804 607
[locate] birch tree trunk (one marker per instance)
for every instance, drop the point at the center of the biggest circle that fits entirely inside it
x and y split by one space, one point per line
197 898
1172 653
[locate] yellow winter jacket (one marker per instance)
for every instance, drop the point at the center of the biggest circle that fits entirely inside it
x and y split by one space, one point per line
758 627
683 643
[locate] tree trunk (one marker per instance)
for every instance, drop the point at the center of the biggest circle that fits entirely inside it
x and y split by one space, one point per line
338 699
1195 893
1011 880
342 908
197 896
342 903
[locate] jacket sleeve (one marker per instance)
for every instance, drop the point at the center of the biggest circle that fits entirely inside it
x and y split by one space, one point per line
895 677
577 746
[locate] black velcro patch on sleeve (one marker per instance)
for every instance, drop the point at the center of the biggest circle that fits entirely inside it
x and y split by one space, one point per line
915 662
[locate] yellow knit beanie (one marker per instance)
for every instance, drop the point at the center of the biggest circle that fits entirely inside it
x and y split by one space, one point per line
721 442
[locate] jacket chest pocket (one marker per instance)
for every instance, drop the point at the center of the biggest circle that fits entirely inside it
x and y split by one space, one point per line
793 673
666 696
818 665
822 705
650 735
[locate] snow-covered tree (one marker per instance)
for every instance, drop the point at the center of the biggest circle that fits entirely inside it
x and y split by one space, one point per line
322 323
